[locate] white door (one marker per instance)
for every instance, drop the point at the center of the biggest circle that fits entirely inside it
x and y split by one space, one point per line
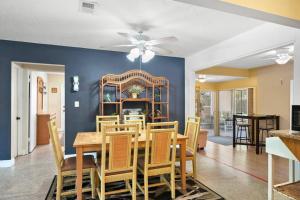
20 104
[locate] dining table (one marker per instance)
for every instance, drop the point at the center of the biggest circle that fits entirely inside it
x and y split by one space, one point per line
91 142
255 125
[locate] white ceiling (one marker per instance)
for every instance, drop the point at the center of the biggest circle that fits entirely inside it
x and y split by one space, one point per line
257 60
59 22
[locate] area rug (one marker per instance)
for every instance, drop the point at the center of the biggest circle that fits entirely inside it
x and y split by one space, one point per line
223 140
195 191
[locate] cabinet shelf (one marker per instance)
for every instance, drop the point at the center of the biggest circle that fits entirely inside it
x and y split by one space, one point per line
136 100
153 86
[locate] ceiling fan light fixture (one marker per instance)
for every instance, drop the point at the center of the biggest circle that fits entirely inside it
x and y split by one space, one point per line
147 56
135 52
131 57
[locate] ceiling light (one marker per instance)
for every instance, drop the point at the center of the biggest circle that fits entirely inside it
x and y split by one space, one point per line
202 78
283 59
148 55
130 57
135 52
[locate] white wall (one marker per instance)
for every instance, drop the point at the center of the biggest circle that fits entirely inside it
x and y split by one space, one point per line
33 105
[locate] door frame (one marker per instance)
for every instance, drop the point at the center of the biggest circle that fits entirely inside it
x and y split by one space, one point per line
25 66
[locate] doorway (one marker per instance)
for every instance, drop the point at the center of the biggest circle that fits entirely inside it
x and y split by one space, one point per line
37 92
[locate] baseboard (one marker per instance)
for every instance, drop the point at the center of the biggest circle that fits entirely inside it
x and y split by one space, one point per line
7 163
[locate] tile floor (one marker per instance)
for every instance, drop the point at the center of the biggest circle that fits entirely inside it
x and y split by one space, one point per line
235 174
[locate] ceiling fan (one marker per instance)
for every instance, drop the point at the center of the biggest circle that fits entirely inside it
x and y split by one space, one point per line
282 56
145 47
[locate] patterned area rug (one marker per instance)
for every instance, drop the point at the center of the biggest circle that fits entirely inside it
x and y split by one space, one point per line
195 191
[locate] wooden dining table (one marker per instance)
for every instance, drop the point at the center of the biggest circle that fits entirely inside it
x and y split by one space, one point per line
92 141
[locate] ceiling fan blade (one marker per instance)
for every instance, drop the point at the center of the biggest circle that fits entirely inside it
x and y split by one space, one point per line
129 37
161 41
125 45
161 50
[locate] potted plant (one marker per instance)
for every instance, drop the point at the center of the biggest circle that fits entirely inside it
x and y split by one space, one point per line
135 90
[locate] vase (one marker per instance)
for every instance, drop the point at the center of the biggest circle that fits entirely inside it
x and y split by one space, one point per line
134 95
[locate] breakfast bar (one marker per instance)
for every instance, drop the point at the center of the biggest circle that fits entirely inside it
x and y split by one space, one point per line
286 144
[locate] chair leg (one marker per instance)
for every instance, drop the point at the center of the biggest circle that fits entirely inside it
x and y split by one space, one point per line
194 168
134 187
59 186
92 178
173 184
146 189
102 190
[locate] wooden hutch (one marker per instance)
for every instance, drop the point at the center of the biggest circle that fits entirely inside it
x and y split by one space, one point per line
155 98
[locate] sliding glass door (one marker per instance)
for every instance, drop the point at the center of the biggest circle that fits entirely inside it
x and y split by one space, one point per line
241 101
207 109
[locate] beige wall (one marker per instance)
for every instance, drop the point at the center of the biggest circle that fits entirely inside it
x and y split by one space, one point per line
273 91
54 99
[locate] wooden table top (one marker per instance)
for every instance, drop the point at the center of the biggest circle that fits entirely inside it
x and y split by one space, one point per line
286 134
94 138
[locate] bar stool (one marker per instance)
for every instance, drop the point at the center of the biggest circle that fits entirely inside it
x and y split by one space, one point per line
243 126
264 132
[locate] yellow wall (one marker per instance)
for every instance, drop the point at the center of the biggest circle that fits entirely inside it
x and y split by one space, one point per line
271 90
284 8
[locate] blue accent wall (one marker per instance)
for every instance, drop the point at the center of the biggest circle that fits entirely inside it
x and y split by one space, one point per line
90 65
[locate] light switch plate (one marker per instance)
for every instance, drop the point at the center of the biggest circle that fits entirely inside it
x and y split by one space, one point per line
76 104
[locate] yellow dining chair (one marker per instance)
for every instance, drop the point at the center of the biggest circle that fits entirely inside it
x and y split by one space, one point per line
106 119
119 158
67 167
192 132
159 157
136 119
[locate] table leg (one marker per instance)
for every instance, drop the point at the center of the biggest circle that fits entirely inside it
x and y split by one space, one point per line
252 131
233 130
277 122
79 163
183 164
257 136
270 177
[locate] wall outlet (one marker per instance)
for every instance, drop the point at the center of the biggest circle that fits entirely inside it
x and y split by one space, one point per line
76 104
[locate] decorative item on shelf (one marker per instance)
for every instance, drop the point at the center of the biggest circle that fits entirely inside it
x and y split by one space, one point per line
136 90
157 97
157 113
75 83
107 98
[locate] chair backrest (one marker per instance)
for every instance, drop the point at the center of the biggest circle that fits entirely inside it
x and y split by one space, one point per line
133 119
58 153
122 146
106 119
192 132
161 139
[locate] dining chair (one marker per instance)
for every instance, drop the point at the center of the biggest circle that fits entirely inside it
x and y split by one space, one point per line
243 126
139 119
67 167
159 158
106 119
119 158
192 132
